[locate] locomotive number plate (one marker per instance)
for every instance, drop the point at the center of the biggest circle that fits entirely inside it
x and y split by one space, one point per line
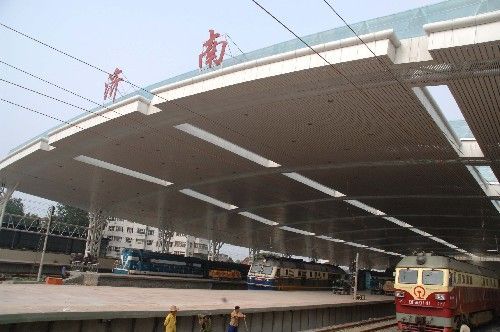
419 302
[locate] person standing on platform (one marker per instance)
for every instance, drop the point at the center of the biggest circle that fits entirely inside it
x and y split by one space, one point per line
236 315
64 272
171 320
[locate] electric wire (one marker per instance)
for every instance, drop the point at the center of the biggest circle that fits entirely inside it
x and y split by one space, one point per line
50 116
388 69
153 129
65 103
366 45
74 94
111 139
331 65
318 54
359 38
129 82
239 49
216 156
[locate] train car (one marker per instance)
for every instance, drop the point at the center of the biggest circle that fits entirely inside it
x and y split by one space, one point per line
145 262
226 270
276 273
436 293
374 281
138 261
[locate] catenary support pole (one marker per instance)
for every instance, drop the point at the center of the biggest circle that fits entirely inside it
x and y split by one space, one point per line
51 213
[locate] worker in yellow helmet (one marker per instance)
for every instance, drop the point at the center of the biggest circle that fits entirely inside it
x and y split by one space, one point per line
170 320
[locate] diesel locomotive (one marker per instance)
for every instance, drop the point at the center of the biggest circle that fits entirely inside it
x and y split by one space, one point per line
279 273
145 262
439 294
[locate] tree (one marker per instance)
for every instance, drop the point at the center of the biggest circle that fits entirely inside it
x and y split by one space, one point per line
164 237
15 206
72 215
214 249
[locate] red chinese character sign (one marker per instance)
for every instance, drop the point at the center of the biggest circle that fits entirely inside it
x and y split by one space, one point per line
210 50
111 86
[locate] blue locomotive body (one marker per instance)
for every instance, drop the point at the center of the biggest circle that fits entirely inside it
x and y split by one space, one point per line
138 261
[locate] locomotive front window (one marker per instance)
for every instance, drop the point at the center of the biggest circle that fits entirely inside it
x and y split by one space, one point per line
267 269
256 268
432 277
408 276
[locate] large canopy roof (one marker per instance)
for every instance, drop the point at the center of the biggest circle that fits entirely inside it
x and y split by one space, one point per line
319 154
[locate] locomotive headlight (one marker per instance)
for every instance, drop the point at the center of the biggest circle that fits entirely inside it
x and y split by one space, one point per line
440 297
399 294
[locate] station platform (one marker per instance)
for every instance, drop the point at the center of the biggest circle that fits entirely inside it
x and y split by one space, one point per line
100 308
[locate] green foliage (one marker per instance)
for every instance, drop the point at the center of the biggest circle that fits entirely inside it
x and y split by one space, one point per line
32 215
72 215
15 206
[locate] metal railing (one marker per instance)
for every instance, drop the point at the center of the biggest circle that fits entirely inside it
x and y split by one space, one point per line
37 225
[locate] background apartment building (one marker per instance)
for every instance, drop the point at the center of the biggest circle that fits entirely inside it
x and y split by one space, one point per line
126 234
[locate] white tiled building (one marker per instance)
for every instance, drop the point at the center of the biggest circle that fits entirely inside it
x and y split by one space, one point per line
126 234
188 245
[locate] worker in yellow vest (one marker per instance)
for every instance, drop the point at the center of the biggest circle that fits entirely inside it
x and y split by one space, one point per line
170 320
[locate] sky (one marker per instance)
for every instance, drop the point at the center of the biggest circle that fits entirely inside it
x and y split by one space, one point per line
149 40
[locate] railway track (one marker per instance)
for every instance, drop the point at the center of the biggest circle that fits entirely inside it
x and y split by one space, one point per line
378 324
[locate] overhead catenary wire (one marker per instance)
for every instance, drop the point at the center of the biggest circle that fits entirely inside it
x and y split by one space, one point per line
322 57
456 144
159 133
111 139
30 90
74 94
72 105
331 65
396 78
232 41
48 116
129 82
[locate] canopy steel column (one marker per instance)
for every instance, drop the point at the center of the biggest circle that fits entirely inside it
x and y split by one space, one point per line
252 252
5 194
97 223
214 250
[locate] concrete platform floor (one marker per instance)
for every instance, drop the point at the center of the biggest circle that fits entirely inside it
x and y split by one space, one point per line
28 303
